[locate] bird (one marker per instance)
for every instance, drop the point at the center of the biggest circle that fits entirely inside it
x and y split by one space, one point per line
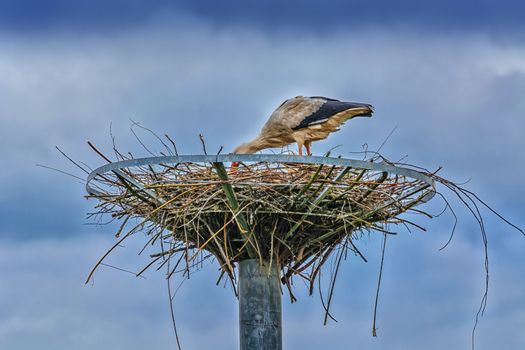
304 120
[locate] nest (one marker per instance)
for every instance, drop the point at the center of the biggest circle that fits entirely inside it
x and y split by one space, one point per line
294 215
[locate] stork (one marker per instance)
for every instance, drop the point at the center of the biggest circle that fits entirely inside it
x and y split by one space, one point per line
303 120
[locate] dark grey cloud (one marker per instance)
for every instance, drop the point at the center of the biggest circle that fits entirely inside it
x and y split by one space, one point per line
301 17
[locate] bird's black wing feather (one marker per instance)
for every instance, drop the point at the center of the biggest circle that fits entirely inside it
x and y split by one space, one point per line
325 98
328 109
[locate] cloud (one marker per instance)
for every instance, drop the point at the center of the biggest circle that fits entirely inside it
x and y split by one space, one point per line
455 99
52 308
428 299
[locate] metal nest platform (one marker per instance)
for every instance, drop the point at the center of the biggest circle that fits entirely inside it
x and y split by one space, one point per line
291 212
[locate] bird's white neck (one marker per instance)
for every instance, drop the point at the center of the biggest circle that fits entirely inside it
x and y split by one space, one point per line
252 146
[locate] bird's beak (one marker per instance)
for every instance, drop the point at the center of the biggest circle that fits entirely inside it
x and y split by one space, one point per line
235 165
363 110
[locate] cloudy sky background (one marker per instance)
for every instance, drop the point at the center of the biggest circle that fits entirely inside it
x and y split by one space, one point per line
450 77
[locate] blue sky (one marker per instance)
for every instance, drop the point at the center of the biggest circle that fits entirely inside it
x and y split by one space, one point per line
450 78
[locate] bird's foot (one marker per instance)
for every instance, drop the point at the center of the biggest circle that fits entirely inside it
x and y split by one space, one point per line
234 168
308 150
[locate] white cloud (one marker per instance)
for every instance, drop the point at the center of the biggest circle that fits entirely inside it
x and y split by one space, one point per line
428 299
50 307
444 93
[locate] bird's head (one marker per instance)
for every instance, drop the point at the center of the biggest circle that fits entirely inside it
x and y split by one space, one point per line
248 148
251 147
244 148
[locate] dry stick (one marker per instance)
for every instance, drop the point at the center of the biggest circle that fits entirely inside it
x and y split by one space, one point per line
106 254
154 235
306 261
477 215
129 233
321 185
186 244
323 257
374 329
214 234
172 251
153 173
118 155
203 143
138 195
234 204
376 183
455 221
121 269
156 136
322 299
83 181
297 268
405 208
309 183
98 152
289 288
405 221
124 177
332 285
349 188
176 265
126 219
223 272
71 160
369 214
493 211
318 200
225 238
161 224
172 312
138 138
349 239
148 266
272 235
223 253
173 144
428 215
337 231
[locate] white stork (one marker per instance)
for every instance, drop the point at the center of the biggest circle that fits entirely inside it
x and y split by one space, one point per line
303 120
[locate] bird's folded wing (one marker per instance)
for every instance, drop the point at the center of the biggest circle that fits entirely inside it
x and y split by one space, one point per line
328 109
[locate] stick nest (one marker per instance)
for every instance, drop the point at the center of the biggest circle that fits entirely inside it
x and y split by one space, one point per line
290 214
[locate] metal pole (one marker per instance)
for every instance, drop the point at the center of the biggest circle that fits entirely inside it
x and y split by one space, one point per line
260 321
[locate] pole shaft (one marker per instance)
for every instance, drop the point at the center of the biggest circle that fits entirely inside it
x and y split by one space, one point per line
260 321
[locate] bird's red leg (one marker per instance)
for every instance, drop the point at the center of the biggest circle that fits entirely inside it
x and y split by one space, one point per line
308 150
300 148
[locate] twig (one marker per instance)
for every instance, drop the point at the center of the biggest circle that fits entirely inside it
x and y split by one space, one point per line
383 247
